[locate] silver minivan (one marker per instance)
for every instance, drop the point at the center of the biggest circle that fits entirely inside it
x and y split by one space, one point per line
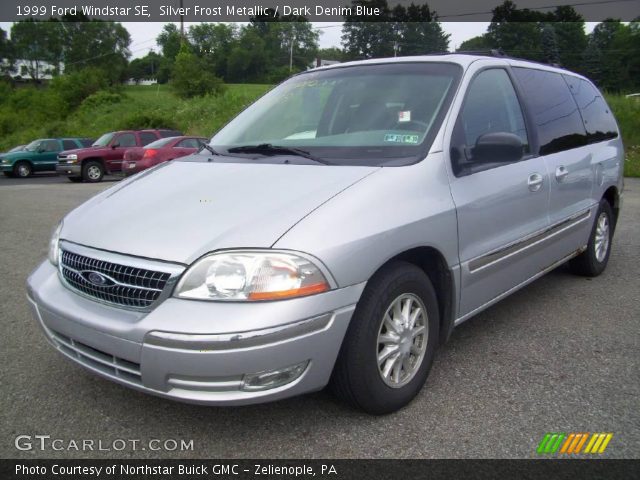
336 231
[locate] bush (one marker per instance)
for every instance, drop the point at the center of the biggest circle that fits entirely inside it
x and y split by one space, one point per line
101 98
73 88
142 120
190 77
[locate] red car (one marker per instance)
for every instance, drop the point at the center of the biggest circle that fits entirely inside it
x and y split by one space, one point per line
163 150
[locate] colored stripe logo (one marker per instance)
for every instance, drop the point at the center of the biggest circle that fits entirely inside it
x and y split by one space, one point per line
574 443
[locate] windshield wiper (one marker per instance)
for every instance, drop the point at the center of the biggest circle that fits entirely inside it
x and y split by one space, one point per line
208 147
269 149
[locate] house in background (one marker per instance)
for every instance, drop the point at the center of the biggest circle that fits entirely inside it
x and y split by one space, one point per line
320 62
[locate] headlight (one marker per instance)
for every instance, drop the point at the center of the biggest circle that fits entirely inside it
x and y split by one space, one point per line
4 160
71 157
251 276
54 245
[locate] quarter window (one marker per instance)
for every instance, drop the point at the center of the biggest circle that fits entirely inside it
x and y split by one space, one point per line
598 119
554 111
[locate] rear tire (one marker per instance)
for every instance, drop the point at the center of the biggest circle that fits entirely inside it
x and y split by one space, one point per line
594 259
92 171
22 169
396 303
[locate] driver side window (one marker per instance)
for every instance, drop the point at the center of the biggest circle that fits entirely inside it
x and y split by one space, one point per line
491 106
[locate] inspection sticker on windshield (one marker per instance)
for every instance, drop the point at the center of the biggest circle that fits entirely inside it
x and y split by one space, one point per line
404 116
401 138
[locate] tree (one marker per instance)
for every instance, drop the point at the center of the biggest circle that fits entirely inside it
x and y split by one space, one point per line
189 78
213 43
611 39
169 41
412 30
331 53
369 36
550 44
95 43
145 67
476 44
35 43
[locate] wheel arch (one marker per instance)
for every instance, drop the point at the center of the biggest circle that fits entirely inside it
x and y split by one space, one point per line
612 196
433 264
22 160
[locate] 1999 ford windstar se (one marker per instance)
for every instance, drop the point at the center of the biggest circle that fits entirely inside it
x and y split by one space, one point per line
336 232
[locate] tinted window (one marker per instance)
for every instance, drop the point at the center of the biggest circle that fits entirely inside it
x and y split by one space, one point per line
189 143
554 111
127 140
69 145
50 146
491 106
147 137
598 119
170 133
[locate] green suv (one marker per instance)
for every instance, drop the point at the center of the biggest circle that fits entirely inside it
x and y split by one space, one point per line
38 156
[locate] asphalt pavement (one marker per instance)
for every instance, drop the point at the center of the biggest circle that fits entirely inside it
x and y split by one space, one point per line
561 355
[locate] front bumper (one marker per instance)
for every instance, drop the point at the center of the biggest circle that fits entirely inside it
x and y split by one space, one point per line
69 169
196 351
6 167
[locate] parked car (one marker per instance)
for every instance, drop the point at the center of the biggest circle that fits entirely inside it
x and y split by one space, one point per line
105 155
140 158
38 156
336 232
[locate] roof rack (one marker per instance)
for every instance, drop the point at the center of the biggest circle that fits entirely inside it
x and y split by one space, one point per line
494 52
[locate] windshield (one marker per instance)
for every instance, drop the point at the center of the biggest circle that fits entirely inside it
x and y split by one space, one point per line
160 143
33 146
360 115
104 140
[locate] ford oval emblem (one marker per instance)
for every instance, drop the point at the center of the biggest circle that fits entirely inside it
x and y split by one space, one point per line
98 279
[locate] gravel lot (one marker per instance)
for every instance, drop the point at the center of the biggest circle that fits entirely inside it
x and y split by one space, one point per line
561 355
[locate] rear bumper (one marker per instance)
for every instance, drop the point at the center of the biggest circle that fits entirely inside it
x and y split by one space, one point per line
70 170
193 351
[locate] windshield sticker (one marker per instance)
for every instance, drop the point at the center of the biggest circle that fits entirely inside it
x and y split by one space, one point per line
401 138
404 116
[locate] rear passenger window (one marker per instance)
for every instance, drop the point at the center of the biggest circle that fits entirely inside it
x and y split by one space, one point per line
147 137
598 119
127 140
69 145
554 111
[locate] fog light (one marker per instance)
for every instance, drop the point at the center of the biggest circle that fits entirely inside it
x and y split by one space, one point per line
273 378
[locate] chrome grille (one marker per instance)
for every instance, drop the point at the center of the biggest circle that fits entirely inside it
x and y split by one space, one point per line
125 286
98 360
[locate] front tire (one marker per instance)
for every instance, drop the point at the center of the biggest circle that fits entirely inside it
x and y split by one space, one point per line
389 347
22 169
594 259
92 171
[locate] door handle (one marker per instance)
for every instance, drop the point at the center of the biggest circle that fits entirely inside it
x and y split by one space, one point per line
561 172
535 182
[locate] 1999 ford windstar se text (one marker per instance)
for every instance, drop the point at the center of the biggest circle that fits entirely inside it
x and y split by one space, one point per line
336 231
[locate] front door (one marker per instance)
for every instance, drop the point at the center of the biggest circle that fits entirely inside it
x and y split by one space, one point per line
119 145
46 156
500 205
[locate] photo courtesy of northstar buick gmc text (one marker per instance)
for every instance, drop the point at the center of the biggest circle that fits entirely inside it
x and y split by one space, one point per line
336 232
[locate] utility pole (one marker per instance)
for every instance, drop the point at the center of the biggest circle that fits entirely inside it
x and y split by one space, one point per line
291 51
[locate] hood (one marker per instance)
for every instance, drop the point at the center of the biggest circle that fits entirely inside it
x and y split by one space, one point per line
17 155
179 211
82 151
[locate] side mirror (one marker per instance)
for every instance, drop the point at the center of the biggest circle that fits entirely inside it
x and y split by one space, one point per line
497 147
115 145
40 150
